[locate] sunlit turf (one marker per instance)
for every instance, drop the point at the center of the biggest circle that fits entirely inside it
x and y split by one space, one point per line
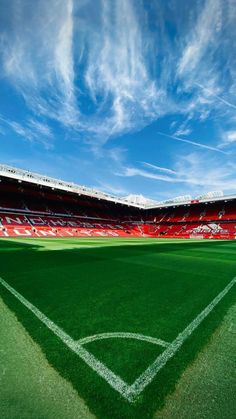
96 285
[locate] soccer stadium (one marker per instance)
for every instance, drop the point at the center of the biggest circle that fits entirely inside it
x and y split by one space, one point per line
120 297
117 209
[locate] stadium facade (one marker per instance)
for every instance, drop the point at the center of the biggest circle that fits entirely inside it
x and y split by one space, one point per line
32 205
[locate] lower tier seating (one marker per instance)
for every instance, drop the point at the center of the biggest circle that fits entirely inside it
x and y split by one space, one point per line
206 230
31 225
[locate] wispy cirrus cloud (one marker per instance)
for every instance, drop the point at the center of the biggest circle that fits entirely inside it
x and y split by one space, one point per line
204 35
182 131
118 68
206 65
113 189
37 57
159 168
105 73
135 171
31 130
40 128
57 66
194 170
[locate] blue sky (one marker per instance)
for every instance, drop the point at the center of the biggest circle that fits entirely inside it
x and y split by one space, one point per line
127 96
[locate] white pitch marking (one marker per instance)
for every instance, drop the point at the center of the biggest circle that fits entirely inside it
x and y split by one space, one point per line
115 381
145 378
128 392
123 335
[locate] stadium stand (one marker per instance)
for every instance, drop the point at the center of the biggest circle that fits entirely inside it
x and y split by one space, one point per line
35 206
197 220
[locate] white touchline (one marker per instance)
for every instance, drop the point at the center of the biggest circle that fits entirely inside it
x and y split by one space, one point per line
129 392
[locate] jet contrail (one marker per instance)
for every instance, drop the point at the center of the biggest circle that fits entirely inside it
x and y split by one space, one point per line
217 97
183 140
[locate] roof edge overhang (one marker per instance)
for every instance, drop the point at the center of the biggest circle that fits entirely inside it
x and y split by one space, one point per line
38 179
224 198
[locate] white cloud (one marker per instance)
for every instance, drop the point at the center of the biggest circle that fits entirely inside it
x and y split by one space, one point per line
204 33
197 172
205 58
161 169
98 68
203 172
20 130
183 131
110 188
37 56
116 154
134 171
40 128
40 58
63 64
118 69
31 130
230 137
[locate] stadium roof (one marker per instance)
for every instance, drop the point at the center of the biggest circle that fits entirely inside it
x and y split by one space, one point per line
38 179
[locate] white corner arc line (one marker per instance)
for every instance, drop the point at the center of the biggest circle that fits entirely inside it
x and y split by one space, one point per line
114 380
145 378
128 392
123 335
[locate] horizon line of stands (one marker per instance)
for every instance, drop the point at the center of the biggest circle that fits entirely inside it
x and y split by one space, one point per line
30 211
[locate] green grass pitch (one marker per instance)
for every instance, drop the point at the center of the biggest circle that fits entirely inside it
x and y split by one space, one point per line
95 286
